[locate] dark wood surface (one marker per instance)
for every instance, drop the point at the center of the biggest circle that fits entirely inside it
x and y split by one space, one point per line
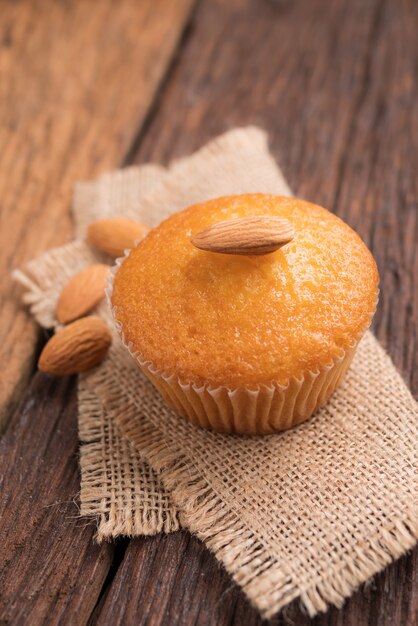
92 87
76 85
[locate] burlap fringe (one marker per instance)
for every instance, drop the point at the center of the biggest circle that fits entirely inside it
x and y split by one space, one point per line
123 517
245 558
122 501
231 540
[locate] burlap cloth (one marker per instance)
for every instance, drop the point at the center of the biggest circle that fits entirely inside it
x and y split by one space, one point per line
310 513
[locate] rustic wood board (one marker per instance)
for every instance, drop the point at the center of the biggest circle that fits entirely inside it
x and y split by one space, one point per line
76 83
51 568
335 85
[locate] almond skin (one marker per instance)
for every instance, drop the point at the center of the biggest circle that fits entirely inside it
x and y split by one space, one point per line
245 235
76 348
82 292
113 236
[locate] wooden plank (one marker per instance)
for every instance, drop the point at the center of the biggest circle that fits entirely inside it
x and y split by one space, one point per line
333 83
51 571
167 596
76 83
174 580
239 43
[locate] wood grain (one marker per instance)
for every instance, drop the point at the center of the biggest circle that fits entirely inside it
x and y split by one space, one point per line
335 84
76 83
50 568
174 580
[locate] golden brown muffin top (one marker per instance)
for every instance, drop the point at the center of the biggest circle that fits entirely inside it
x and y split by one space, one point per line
246 320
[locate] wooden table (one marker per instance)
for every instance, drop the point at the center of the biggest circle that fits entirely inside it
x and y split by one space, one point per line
86 87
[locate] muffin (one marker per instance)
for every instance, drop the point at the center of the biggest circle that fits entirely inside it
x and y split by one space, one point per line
249 342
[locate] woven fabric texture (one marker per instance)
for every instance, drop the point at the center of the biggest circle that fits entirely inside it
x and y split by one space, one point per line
118 488
309 513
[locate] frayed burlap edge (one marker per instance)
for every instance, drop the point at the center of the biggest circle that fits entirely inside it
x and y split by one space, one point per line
142 506
243 556
224 531
118 488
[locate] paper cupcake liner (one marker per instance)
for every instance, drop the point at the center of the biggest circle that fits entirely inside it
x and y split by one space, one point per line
263 410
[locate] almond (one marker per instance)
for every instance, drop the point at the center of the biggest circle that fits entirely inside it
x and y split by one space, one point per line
82 292
76 348
245 235
113 236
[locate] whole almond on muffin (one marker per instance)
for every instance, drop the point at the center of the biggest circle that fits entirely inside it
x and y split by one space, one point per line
261 234
115 235
76 348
